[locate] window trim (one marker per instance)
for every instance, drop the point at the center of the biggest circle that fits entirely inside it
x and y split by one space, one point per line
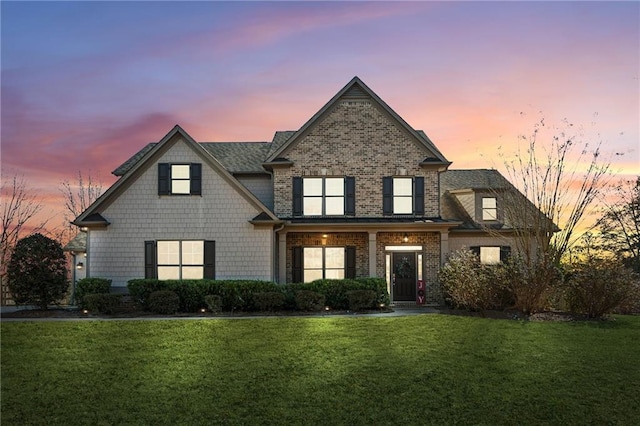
389 196
151 264
165 179
505 253
348 196
297 262
489 214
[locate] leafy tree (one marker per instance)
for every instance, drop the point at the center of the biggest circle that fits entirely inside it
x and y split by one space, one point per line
37 271
619 226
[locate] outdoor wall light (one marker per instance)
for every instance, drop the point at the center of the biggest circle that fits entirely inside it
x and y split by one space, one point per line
80 265
324 235
84 229
405 239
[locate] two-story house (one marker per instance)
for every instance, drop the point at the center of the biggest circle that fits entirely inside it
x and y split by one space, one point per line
355 192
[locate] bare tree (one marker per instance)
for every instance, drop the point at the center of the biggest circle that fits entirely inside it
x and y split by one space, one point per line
20 207
562 178
619 225
78 196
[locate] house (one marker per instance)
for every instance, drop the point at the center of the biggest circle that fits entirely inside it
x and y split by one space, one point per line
355 192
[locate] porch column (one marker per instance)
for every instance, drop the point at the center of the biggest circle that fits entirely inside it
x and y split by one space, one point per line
372 254
444 246
282 258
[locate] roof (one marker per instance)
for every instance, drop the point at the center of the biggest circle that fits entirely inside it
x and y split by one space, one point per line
236 157
78 243
475 179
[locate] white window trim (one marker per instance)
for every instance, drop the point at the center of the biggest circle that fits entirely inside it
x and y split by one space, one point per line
323 196
180 265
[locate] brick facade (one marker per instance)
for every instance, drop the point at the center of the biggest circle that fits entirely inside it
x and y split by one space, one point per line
357 139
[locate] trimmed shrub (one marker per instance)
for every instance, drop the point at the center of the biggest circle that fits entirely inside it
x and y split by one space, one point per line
103 303
361 299
310 301
213 302
595 288
269 300
140 289
92 285
164 302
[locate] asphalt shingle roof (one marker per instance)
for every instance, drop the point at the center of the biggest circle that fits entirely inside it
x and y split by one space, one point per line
236 157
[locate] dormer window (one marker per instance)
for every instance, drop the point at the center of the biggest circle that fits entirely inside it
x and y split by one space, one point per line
323 196
489 208
180 179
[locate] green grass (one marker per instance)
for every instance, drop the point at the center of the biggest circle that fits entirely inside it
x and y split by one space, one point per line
427 369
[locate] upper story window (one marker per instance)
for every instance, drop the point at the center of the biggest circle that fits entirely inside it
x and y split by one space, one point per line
179 179
489 208
403 195
323 196
180 259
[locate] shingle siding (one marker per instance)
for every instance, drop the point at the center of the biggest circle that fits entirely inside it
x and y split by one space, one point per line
220 214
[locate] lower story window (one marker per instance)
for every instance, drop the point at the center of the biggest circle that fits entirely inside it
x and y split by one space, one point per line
179 259
315 263
323 262
490 255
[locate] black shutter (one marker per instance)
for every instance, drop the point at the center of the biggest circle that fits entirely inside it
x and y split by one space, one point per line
150 269
350 270
475 250
164 179
387 195
297 196
195 176
418 195
350 199
296 265
210 260
505 253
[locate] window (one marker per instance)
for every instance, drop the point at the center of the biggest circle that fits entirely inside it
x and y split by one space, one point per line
314 263
179 179
180 260
403 195
323 196
489 209
490 255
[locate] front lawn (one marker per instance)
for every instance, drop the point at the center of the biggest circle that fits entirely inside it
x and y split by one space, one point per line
426 369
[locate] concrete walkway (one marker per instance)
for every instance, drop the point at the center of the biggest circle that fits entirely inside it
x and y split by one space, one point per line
398 311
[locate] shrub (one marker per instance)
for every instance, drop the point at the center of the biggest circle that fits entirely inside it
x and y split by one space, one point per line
37 271
213 302
268 300
164 302
531 283
361 299
470 285
103 303
597 286
140 289
92 285
307 300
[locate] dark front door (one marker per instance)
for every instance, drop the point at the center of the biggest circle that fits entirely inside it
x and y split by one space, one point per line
404 273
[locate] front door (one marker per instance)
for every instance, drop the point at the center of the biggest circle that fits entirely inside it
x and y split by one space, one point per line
404 276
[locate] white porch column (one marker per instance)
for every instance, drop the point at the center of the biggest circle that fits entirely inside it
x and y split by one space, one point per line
372 254
282 258
444 246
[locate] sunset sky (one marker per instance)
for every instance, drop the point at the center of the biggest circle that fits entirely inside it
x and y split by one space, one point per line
87 84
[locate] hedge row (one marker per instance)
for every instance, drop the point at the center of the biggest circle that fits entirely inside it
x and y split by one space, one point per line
250 295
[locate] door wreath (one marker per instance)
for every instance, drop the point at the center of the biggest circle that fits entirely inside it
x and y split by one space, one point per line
403 268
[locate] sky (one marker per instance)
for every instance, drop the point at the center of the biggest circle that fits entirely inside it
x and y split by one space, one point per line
84 85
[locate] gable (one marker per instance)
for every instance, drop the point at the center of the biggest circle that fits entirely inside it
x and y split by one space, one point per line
177 140
357 94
